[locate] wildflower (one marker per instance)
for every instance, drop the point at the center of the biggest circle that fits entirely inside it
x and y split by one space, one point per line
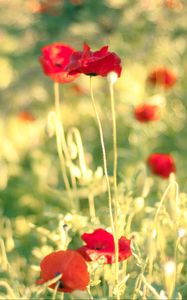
78 89
71 265
163 77
26 116
173 4
146 112
161 164
100 243
46 6
91 63
54 59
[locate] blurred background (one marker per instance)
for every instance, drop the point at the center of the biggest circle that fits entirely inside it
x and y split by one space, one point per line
145 34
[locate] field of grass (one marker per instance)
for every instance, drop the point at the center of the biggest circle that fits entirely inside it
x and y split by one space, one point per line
54 183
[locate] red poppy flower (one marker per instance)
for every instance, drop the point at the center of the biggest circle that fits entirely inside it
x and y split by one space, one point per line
100 243
163 77
26 116
91 63
71 265
54 59
161 164
147 112
46 6
174 4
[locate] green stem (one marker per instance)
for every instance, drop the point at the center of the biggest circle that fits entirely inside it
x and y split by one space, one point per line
137 287
62 160
52 117
8 288
114 133
92 206
116 204
61 144
150 288
57 99
55 290
58 138
164 197
104 156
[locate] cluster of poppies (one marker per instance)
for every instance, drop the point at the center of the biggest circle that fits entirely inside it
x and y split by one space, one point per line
174 4
160 164
63 64
72 266
158 77
51 7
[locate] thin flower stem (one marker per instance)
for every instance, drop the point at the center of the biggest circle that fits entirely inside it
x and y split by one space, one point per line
176 249
61 143
104 156
57 99
52 117
155 220
62 296
8 289
116 204
75 134
55 290
4 260
114 132
62 162
164 197
150 288
92 206
60 138
43 287
60 127
89 294
137 287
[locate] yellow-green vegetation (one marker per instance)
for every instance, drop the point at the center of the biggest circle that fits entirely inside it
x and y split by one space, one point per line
53 182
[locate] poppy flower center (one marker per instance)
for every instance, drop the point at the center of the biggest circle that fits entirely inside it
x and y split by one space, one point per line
58 65
58 61
91 74
99 247
60 282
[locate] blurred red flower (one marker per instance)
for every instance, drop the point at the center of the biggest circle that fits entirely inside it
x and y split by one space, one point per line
161 164
71 265
147 112
54 59
162 76
78 89
173 4
91 63
100 243
26 116
45 6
